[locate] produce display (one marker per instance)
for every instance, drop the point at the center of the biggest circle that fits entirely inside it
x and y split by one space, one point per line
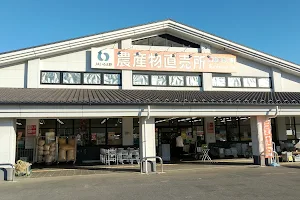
46 152
59 149
66 151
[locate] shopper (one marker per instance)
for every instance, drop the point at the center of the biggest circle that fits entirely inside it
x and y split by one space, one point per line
179 147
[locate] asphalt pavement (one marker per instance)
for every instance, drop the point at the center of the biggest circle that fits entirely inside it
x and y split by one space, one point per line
232 183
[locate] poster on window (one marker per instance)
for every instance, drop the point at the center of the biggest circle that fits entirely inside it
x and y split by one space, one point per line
31 130
94 136
210 128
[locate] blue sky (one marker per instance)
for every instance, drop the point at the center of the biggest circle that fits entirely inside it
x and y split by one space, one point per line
271 26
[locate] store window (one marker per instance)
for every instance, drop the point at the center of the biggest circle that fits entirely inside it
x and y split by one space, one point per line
159 80
176 80
292 128
166 79
50 77
47 125
140 79
249 82
232 129
219 81
92 78
264 82
65 127
112 79
136 131
71 78
193 81
245 129
234 82
21 123
80 78
101 131
114 131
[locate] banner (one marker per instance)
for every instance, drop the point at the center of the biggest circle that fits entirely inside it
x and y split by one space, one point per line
162 61
268 139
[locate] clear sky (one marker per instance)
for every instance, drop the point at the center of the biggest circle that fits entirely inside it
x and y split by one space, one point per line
272 26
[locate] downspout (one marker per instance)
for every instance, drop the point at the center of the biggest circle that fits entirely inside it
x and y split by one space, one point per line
274 153
144 142
276 113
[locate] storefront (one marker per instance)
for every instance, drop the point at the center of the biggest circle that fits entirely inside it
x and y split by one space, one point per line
140 87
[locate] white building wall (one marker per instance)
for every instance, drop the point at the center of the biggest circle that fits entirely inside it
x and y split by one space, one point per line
76 61
127 131
12 76
290 83
28 75
33 74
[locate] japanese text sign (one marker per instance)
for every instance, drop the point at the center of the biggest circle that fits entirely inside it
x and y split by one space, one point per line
162 61
31 129
268 139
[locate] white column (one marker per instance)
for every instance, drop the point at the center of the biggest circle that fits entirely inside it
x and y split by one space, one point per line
126 74
33 73
147 141
207 81
127 131
257 140
126 79
209 128
7 148
281 128
7 141
276 80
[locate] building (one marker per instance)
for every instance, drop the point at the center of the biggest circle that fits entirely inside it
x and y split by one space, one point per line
139 86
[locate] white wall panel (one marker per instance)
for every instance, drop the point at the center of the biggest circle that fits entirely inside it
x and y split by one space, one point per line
12 76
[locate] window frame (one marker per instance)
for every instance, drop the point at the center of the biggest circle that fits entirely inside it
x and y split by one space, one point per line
82 78
60 79
242 81
168 74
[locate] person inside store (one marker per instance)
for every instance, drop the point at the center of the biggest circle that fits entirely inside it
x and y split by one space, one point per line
179 147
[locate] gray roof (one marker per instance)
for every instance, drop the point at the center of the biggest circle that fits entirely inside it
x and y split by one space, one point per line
46 96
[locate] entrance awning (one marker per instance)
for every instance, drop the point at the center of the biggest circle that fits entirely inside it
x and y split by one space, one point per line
46 96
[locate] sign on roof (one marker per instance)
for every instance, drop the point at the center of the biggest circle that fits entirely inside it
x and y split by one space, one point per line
162 61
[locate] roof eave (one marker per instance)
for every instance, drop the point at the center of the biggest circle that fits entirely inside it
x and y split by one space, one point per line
114 36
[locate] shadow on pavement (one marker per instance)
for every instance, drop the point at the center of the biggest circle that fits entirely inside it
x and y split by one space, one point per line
291 166
94 167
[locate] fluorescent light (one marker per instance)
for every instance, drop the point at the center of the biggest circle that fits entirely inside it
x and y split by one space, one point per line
59 121
19 124
103 121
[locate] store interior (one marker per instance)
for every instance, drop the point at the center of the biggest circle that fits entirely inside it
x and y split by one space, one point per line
83 138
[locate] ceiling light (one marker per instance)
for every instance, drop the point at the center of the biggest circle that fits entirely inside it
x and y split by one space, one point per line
59 121
103 121
19 124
